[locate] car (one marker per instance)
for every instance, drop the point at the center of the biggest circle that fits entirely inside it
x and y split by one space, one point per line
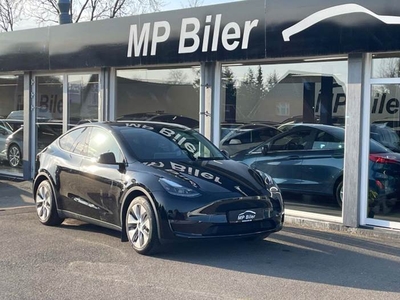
153 182
247 136
308 159
42 116
386 136
393 123
46 133
12 124
5 131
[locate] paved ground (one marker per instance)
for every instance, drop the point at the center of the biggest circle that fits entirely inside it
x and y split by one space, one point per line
15 193
83 261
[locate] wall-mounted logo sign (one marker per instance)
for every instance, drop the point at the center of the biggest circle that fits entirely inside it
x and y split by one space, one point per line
334 11
191 36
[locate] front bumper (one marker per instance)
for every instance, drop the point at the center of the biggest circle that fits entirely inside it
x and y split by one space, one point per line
215 220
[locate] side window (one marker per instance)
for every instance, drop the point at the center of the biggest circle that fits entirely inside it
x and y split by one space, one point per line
74 141
101 142
4 131
293 141
263 135
327 141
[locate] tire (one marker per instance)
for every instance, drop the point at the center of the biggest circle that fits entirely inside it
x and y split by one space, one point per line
339 193
141 226
14 156
46 205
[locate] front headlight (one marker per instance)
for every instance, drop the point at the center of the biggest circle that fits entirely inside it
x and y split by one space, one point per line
176 189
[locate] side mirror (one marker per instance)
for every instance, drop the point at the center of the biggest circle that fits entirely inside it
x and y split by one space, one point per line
107 158
265 149
235 142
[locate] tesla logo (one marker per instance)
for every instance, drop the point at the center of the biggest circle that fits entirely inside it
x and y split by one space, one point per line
246 216
334 11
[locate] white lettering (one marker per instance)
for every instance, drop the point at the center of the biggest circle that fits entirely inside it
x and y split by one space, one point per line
206 35
189 35
159 38
167 132
226 36
248 26
217 25
143 41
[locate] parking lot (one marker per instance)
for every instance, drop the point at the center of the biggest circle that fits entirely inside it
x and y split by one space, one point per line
82 261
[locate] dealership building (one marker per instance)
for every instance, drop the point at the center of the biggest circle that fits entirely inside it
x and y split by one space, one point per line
265 62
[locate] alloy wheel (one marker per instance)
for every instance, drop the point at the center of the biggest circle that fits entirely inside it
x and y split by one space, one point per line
43 202
14 156
138 226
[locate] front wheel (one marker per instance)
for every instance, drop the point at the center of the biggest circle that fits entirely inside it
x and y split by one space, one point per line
141 227
339 193
14 156
46 206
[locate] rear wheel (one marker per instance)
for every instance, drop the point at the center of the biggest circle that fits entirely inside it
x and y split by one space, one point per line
141 227
339 193
46 206
14 156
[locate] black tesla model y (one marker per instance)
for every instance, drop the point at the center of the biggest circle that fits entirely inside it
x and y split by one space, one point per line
153 182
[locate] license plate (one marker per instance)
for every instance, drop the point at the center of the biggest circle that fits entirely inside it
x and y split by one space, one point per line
247 215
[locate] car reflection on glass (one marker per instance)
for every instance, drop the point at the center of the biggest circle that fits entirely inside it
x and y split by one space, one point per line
386 136
13 149
153 182
247 136
308 159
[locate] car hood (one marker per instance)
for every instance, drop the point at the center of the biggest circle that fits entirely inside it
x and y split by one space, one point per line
211 176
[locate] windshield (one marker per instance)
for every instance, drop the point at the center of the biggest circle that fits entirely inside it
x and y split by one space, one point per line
149 142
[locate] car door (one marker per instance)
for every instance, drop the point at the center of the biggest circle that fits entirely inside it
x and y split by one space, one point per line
71 187
103 182
323 163
284 158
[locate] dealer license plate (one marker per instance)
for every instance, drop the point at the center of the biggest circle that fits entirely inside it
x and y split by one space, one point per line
247 215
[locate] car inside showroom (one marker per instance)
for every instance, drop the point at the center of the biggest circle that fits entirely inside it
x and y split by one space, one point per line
305 91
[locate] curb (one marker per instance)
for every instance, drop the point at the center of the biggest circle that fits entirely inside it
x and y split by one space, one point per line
366 231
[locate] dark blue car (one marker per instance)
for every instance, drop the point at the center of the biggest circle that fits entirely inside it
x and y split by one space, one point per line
308 159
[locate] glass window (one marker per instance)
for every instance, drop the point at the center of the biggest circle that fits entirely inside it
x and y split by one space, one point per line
83 98
292 141
282 96
386 67
11 118
101 142
74 141
326 141
165 142
384 164
165 95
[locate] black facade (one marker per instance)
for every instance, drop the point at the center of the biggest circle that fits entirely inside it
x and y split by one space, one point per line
258 29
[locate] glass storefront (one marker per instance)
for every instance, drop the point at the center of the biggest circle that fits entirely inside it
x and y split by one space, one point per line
11 119
83 98
170 95
383 201
49 110
288 120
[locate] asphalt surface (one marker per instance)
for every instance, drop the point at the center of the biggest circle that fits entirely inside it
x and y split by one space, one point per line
82 261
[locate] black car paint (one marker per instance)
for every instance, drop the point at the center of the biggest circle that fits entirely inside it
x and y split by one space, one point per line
100 193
